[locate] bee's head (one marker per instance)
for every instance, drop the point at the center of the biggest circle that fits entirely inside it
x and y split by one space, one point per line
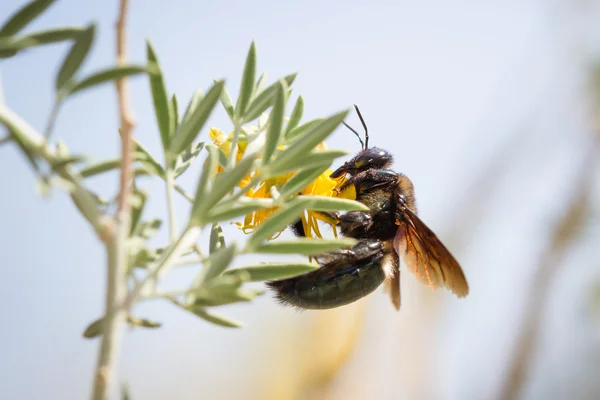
368 158
373 158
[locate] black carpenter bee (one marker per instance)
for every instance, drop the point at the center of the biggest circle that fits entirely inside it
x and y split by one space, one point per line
390 230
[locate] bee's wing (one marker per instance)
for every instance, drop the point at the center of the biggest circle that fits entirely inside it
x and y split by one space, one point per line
427 257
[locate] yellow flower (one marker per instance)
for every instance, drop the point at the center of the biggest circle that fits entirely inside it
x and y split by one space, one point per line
324 185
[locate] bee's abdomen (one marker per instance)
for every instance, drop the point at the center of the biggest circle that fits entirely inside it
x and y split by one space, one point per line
335 284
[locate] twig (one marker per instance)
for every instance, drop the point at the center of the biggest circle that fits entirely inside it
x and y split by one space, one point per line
116 290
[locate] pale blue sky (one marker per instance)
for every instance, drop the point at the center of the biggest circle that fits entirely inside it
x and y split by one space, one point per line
441 84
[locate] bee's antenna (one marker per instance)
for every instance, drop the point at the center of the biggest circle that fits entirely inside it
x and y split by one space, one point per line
364 126
362 145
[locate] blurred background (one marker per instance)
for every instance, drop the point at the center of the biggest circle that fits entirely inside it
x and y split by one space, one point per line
491 109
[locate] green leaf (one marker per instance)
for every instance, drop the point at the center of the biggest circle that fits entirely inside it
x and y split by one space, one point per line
138 201
174 113
301 180
295 152
224 295
96 328
216 318
222 158
314 159
225 182
9 46
217 239
260 85
227 102
227 212
247 85
190 127
185 159
143 322
304 246
192 105
264 100
147 229
301 130
143 154
271 271
275 122
159 97
295 117
278 221
217 263
208 171
24 16
324 203
77 55
109 75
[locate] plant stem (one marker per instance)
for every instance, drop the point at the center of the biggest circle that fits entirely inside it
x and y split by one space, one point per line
114 321
116 245
170 181
52 118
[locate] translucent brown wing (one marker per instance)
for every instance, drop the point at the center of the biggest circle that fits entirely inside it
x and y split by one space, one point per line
427 257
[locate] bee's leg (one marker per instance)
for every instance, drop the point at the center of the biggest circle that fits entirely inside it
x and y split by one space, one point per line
352 220
364 249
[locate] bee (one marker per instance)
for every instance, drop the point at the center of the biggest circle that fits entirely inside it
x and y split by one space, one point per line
388 232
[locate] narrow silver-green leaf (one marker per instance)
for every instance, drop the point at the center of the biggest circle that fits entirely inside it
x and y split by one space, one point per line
216 318
75 58
190 128
137 201
226 181
211 298
24 16
217 263
208 170
260 85
109 75
264 100
159 97
9 46
247 84
148 229
184 160
316 135
227 102
313 159
222 158
275 122
194 101
278 221
295 117
228 211
271 271
305 246
174 115
324 203
299 131
217 239
143 154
